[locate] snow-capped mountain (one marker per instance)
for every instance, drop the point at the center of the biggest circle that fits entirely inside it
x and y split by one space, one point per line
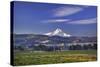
58 32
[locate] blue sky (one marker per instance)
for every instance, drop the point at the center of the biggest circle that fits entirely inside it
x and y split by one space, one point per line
40 18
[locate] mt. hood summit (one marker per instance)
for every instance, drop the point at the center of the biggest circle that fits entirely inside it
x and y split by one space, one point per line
58 32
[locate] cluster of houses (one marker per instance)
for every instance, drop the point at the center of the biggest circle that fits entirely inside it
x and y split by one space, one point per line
70 46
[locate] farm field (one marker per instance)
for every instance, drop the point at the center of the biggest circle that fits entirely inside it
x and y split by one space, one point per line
44 57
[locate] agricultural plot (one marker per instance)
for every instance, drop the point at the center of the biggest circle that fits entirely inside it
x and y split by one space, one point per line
44 57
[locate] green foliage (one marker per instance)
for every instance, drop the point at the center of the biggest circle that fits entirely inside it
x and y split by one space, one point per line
20 48
44 57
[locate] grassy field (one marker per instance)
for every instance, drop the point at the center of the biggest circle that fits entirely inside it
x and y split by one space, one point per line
34 58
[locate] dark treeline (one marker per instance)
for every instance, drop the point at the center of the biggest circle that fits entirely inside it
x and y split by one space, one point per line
55 48
84 47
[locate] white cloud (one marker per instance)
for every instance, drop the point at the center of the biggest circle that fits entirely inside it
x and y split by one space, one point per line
65 11
68 21
84 21
55 20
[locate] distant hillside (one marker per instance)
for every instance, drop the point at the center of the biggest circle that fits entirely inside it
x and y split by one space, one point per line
36 39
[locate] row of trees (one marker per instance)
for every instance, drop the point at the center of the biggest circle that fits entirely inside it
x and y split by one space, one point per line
83 47
38 48
54 48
